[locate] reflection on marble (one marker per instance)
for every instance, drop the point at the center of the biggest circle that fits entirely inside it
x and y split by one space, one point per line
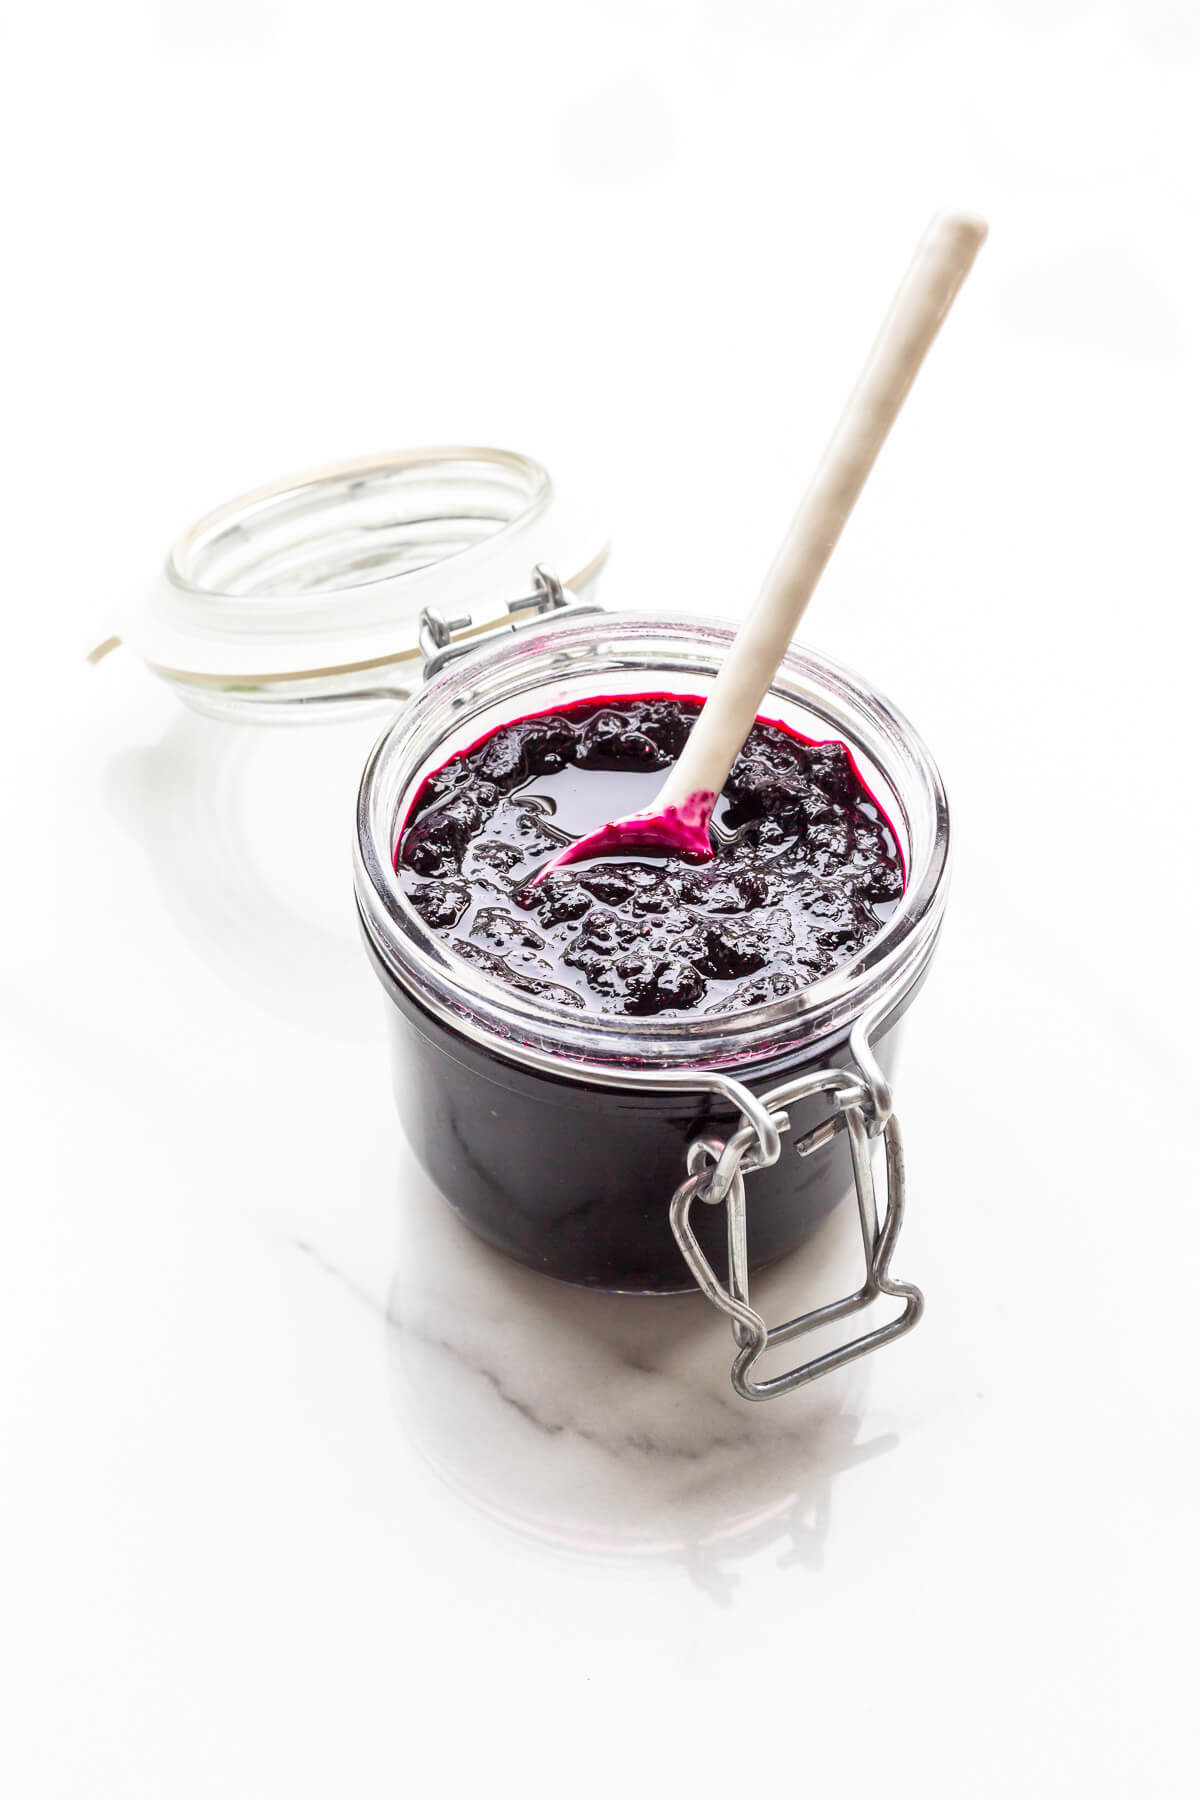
607 1423
603 1423
246 827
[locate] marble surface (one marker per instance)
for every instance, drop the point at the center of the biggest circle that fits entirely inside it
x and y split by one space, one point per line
307 1492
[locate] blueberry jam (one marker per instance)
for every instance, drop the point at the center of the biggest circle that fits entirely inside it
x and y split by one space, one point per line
805 868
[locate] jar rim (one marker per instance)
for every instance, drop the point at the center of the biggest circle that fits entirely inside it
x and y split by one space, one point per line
197 567
527 1029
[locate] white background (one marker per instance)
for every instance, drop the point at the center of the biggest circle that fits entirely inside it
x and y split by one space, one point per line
305 1493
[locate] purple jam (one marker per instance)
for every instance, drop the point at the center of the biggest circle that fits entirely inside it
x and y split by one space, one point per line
804 873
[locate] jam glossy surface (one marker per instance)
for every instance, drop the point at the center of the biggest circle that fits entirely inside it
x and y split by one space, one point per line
804 873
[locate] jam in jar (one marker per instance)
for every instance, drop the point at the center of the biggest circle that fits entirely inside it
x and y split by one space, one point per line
805 867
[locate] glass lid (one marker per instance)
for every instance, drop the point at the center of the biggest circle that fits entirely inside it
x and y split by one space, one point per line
326 581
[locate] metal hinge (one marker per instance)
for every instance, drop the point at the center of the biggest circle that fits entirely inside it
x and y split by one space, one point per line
716 1171
438 636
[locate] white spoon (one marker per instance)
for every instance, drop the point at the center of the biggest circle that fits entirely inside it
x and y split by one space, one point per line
679 818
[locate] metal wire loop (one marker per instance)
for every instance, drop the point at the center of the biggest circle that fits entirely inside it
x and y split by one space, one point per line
716 1170
879 1109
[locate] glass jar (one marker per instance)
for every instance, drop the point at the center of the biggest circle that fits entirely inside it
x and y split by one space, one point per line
579 1144
606 1151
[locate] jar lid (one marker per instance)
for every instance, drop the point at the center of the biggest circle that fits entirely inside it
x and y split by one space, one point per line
298 586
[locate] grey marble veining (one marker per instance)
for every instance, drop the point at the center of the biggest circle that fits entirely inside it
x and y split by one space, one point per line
607 1422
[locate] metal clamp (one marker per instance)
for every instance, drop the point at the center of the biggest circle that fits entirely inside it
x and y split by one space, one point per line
437 635
715 1173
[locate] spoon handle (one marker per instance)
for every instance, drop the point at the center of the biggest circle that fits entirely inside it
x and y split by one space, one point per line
941 264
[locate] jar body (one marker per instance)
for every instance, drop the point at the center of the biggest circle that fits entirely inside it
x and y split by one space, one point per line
574 1179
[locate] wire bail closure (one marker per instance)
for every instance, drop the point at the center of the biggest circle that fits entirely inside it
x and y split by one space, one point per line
716 1173
442 640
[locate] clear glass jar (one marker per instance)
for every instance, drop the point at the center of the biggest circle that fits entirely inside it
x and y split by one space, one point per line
577 1145
566 1140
